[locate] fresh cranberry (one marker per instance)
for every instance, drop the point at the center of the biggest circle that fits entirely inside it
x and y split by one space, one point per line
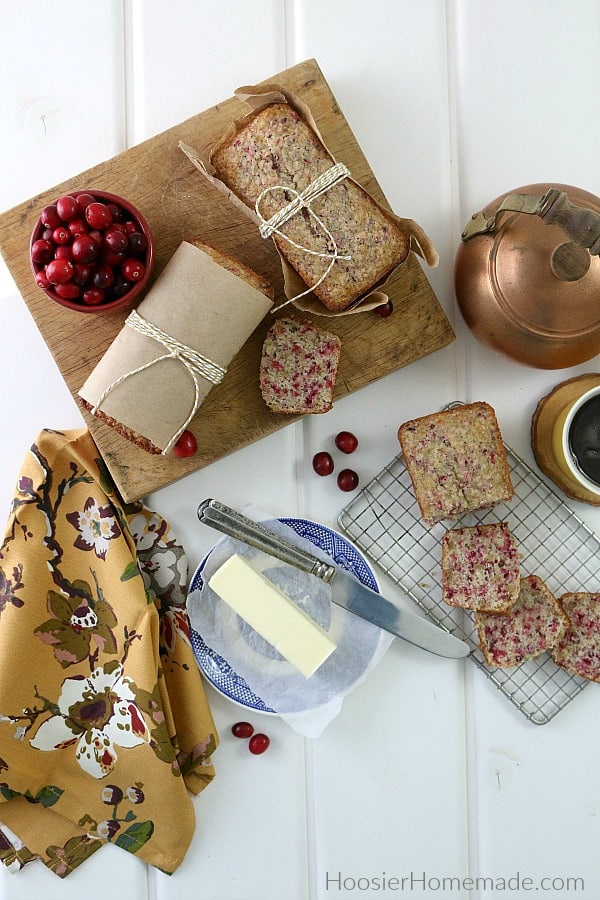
41 251
346 441
98 236
116 240
137 243
120 285
103 276
258 743
84 199
323 463
347 480
68 291
67 208
82 272
186 445
46 234
385 310
242 730
98 215
130 226
113 259
59 270
85 249
78 226
50 217
61 235
64 251
41 279
133 269
93 296
116 212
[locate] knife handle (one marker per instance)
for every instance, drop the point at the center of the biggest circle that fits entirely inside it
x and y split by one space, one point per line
228 521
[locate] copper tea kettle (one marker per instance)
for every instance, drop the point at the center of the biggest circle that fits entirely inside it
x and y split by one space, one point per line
527 275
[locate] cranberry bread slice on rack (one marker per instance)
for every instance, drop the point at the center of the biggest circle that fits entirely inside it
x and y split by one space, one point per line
456 461
578 650
534 625
480 567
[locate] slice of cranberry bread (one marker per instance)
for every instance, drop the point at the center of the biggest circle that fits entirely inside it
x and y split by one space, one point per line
534 624
456 461
578 650
480 567
298 367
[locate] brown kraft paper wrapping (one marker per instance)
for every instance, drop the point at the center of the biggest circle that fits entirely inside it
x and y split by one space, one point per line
256 97
200 304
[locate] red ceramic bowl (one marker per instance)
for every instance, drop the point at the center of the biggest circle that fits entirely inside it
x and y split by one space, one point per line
116 277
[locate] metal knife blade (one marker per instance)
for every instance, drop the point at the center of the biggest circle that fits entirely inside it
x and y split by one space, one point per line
346 591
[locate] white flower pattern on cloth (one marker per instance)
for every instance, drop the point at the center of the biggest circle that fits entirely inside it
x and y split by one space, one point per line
98 713
96 526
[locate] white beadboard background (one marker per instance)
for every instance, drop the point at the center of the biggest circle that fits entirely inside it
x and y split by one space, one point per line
427 770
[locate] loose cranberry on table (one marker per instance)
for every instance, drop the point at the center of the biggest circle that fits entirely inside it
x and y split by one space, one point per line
323 463
346 441
186 445
258 743
242 730
385 310
347 480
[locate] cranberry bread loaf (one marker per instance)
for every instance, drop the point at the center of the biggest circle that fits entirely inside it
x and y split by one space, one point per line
578 650
276 147
480 567
298 367
456 461
534 624
162 401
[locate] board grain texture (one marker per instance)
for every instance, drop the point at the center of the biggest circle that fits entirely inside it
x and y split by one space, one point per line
180 204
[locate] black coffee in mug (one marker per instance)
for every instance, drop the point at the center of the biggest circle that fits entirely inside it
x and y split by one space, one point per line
584 439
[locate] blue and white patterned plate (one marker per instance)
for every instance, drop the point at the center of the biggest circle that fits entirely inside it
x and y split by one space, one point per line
216 669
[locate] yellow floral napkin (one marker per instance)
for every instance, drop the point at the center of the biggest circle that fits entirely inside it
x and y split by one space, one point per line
104 723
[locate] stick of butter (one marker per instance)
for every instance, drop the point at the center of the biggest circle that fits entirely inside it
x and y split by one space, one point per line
273 615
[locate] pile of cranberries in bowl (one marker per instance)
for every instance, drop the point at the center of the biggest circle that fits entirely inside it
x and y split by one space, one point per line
91 251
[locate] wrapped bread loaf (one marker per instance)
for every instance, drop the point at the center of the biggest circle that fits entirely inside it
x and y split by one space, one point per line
277 148
176 346
336 242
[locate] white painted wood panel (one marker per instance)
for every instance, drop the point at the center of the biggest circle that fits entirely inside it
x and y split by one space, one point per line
525 115
427 770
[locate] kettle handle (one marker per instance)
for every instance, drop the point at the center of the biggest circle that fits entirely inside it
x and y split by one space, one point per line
581 224
554 207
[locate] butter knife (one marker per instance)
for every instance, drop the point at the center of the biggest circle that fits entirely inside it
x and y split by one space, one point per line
346 591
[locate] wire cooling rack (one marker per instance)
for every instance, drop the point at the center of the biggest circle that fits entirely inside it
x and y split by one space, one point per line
384 521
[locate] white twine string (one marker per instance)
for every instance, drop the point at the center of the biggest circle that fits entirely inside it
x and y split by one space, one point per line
195 363
303 200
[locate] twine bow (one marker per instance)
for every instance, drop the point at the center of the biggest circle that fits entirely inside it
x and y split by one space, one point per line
302 200
195 363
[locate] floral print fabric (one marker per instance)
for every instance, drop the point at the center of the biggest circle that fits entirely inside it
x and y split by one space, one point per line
104 723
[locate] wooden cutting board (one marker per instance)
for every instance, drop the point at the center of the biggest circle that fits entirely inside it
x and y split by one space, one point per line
180 204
